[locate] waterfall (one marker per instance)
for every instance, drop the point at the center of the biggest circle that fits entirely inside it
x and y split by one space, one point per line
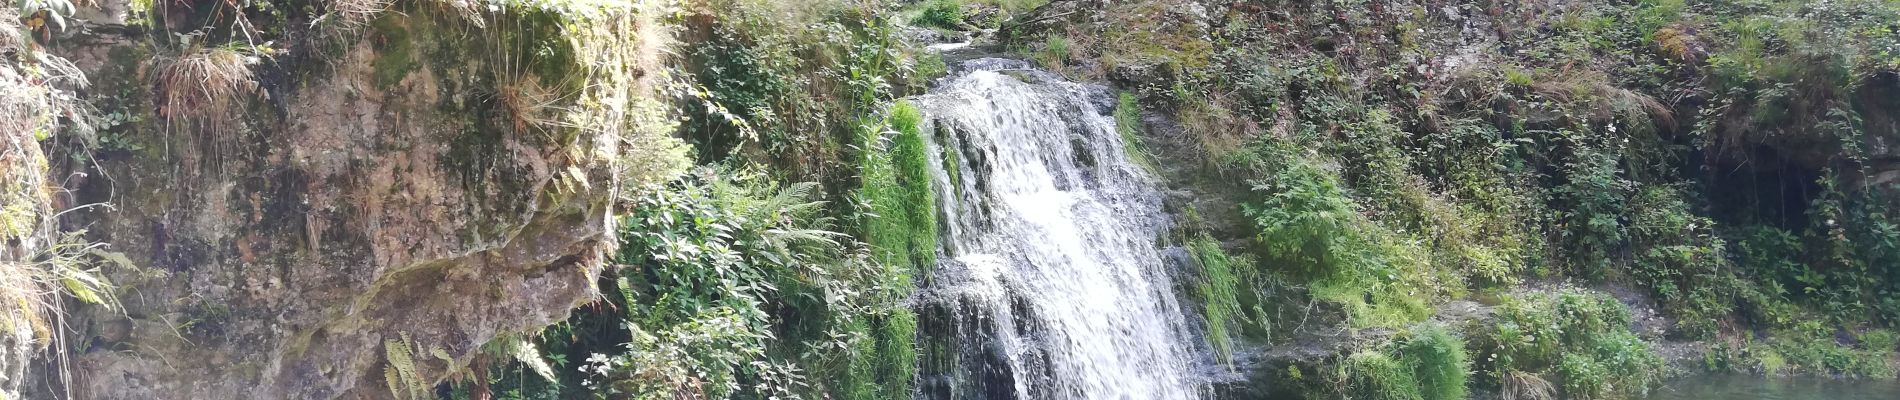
1050 284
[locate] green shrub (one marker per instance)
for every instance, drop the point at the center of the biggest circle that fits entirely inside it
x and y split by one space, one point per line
1583 378
1374 375
1681 260
946 14
1437 359
1593 199
1310 228
1581 339
713 266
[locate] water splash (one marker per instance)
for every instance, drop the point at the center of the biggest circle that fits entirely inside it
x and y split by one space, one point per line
1051 286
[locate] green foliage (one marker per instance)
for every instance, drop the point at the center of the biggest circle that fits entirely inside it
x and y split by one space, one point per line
945 14
901 230
1054 53
1593 199
792 84
733 285
1218 287
896 186
1809 347
1310 228
404 369
1376 376
1307 222
1581 339
1438 360
1680 258
1128 124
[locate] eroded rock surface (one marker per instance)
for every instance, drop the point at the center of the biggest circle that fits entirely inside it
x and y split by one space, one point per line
378 193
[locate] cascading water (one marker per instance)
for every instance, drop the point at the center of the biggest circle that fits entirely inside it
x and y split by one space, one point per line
1051 286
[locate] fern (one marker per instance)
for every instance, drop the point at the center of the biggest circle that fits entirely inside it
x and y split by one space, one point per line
403 375
531 357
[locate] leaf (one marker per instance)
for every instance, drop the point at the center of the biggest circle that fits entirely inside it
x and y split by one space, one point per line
579 176
531 357
116 258
80 290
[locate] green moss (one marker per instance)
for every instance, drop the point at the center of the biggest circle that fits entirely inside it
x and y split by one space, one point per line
953 166
395 49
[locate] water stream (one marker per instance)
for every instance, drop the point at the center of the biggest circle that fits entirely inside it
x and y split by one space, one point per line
1741 387
1050 284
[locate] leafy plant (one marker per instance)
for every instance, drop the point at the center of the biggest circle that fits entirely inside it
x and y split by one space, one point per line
945 14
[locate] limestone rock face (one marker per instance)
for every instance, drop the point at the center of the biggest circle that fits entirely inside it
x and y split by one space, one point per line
379 195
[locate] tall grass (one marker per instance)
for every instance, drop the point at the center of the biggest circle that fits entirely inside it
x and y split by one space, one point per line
901 230
1374 375
1438 360
1218 291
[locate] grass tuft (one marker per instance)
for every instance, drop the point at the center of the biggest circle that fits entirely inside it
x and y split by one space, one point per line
203 83
1438 359
353 14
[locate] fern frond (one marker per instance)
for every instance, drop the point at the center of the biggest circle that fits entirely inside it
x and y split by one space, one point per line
394 379
402 359
528 355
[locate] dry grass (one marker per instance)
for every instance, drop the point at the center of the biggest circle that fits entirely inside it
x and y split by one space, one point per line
469 10
203 84
1520 385
353 14
1591 90
531 106
10 37
1214 128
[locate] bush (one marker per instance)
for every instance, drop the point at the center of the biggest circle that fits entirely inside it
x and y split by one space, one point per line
946 14
1581 339
1681 260
1374 375
1310 228
1438 359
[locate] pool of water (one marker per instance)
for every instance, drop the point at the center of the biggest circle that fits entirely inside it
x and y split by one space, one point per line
1738 387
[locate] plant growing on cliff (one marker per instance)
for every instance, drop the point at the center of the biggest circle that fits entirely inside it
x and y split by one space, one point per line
203 83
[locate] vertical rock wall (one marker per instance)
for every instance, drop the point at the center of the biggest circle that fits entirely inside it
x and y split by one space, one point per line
415 188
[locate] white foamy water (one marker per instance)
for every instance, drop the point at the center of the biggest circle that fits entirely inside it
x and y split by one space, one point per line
1051 286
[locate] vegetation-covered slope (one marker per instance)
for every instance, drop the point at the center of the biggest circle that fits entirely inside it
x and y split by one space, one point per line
1733 160
361 198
